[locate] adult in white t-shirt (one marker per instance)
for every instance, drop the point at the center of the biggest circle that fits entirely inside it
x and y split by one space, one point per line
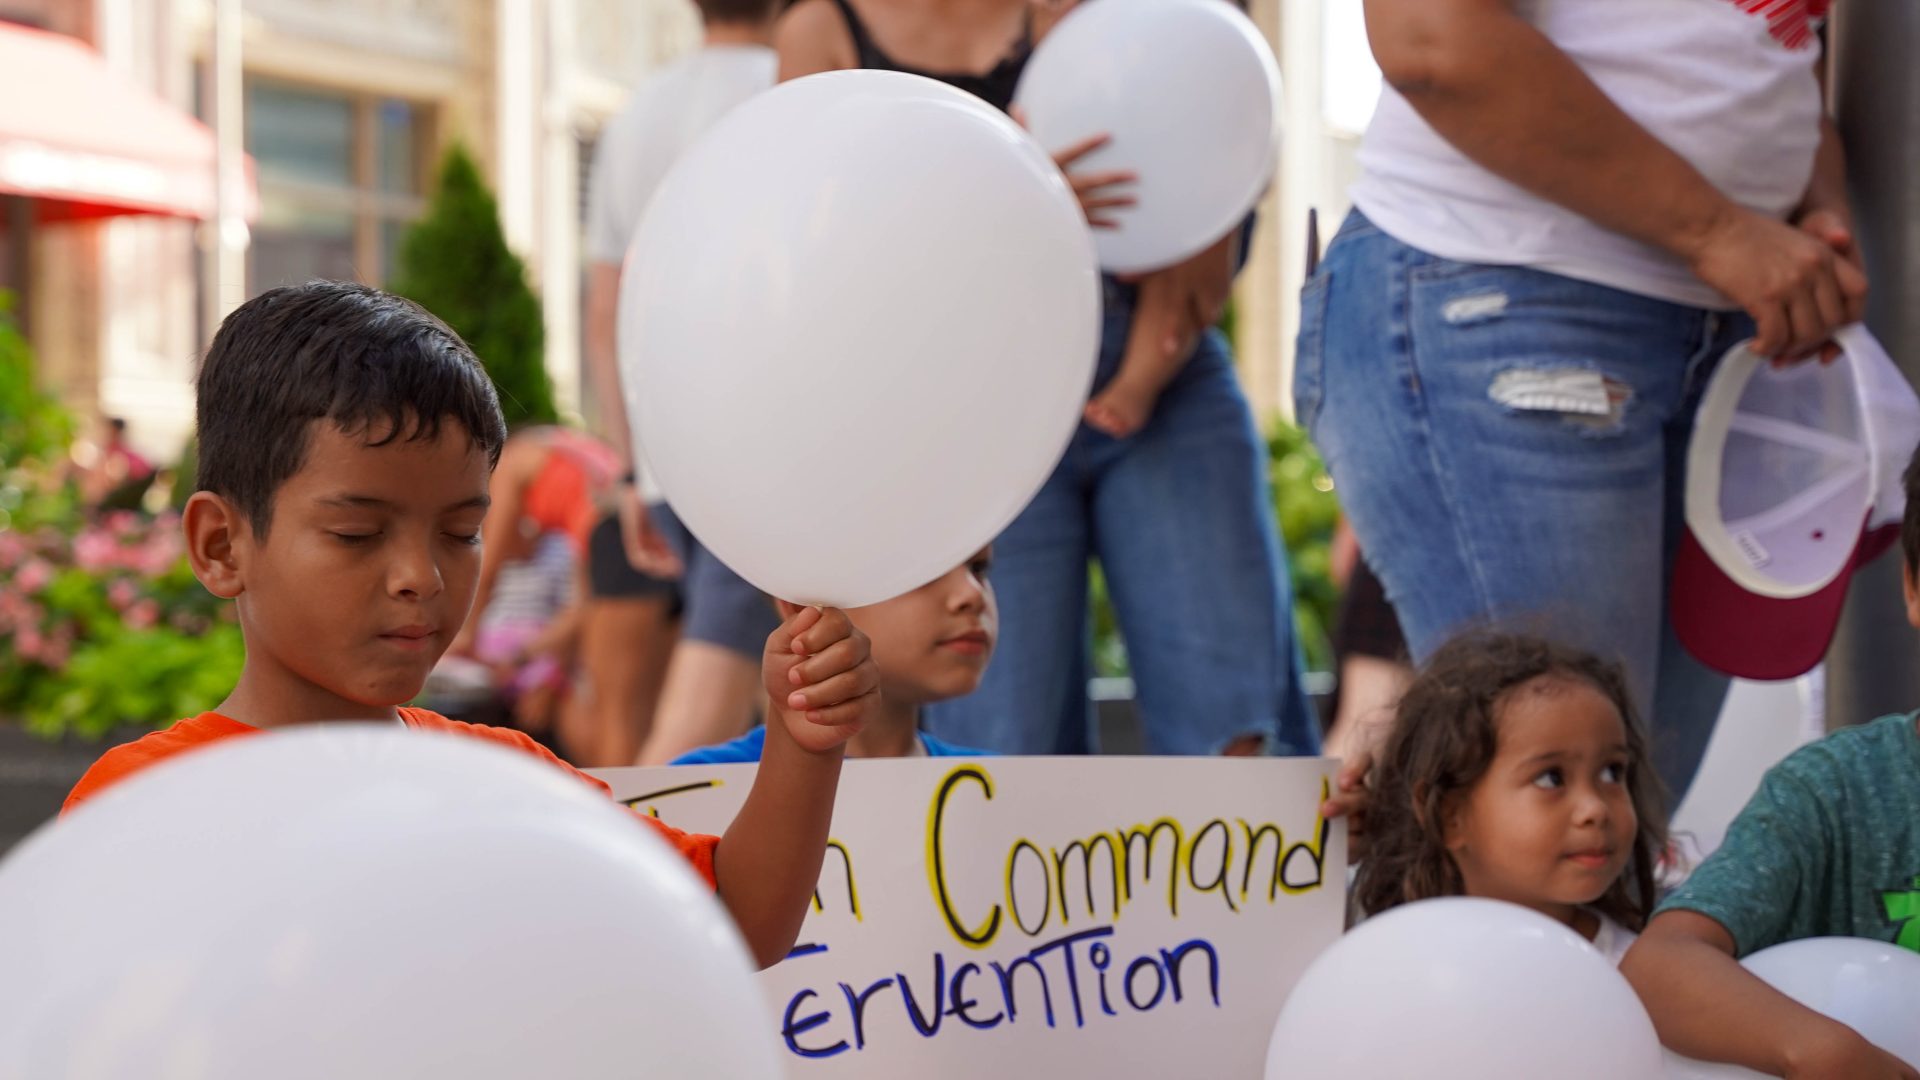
644 566
1568 211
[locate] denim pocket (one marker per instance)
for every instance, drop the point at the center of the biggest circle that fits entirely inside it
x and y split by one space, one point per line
1309 354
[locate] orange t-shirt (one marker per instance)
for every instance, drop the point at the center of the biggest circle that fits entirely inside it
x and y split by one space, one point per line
123 761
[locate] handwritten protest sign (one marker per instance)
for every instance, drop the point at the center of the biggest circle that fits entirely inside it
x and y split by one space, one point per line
1122 917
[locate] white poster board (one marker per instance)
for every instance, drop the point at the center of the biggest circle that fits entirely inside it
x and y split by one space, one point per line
1117 917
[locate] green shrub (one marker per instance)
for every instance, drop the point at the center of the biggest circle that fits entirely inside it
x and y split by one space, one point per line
455 263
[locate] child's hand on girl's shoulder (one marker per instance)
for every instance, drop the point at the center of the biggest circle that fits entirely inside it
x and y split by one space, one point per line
1349 800
820 677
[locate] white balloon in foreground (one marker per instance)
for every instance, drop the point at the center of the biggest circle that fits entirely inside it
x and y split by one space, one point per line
366 902
1462 989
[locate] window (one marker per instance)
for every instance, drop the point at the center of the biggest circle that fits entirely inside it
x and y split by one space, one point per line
341 176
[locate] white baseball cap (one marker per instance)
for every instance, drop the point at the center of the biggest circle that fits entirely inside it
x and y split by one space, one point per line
1793 481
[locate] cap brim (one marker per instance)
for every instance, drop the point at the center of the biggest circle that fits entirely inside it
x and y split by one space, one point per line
1746 635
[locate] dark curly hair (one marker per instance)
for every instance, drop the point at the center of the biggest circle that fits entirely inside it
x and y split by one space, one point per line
1445 733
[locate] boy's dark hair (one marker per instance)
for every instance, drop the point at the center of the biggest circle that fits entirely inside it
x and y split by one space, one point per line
1910 524
736 11
364 359
1444 736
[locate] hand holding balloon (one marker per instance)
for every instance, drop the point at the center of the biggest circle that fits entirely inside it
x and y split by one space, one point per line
820 675
1091 188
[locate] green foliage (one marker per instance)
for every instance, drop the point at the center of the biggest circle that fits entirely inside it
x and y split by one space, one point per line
1306 510
32 425
108 627
146 677
455 263
102 620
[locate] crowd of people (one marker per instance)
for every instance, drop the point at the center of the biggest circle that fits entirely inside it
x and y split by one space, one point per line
1500 357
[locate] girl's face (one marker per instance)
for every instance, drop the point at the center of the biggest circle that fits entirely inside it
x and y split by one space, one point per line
1551 824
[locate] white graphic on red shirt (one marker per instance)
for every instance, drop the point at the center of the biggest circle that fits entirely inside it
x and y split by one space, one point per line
1794 23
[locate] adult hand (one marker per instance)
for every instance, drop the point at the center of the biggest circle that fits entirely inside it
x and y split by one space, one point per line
1095 190
1832 228
1176 305
1796 285
647 550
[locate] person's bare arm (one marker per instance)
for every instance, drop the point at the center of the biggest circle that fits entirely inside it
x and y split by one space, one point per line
603 358
1706 1006
822 684
507 492
1508 98
647 551
812 37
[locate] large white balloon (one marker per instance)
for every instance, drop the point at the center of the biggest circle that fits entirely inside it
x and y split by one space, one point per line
1462 989
1870 986
858 325
1190 94
366 902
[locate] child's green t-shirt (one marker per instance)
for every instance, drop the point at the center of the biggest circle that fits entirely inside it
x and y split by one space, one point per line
1829 846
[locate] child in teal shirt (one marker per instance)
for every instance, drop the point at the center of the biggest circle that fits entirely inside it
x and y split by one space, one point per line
1829 846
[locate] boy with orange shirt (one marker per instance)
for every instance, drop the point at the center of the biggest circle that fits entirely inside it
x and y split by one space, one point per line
346 440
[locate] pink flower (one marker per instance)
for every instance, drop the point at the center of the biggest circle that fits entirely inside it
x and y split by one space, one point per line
94 550
57 651
27 643
33 576
123 523
122 593
143 614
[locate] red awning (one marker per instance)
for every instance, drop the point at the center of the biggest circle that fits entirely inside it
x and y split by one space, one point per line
88 142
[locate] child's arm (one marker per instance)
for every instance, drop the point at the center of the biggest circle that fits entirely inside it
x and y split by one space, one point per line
1706 1006
822 684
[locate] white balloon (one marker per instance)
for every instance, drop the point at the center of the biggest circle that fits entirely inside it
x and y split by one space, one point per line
1870 986
858 325
1190 95
1462 989
366 902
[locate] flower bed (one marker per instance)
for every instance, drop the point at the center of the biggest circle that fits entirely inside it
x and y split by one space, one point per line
109 627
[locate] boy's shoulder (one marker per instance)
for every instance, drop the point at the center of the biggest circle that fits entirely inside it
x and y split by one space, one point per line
128 758
1889 745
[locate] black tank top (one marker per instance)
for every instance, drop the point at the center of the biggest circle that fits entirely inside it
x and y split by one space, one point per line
995 87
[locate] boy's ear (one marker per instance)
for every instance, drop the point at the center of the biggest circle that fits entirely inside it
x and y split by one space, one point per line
1912 589
216 533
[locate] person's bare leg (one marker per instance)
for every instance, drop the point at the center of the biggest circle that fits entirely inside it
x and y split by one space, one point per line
711 695
625 645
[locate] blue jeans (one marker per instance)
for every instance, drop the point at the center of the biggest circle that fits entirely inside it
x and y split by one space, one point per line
1180 518
1492 478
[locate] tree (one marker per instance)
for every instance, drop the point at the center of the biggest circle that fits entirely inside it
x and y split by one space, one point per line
455 263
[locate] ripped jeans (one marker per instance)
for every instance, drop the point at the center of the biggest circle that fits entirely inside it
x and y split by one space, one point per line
1510 445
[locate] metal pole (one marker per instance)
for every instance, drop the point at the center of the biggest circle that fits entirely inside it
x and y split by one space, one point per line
1871 670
